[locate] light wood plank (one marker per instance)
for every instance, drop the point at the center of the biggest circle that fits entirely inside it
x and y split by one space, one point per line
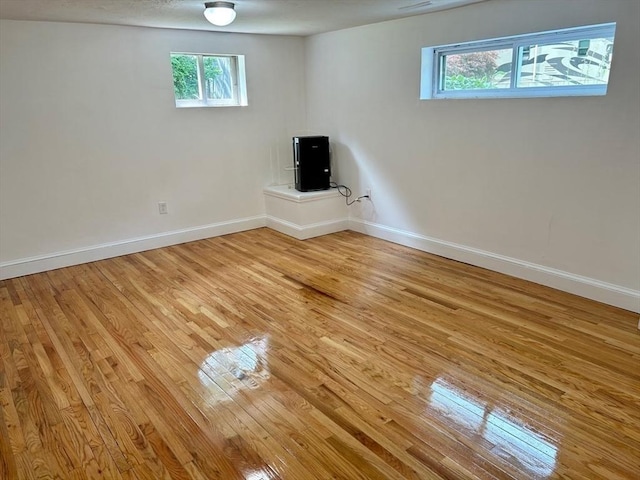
255 355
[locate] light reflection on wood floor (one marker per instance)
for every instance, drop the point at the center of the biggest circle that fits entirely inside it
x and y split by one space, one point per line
256 356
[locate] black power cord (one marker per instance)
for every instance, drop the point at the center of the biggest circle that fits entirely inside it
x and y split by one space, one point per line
346 193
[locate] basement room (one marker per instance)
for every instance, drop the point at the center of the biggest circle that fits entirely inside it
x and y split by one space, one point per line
320 239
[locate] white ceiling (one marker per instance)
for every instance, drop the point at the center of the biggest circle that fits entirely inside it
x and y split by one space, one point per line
284 17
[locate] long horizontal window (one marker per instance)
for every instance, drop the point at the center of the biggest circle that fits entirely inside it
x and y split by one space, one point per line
208 80
573 61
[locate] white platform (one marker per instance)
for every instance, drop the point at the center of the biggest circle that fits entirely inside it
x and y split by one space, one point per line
305 215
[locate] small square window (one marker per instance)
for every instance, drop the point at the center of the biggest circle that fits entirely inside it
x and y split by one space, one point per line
208 80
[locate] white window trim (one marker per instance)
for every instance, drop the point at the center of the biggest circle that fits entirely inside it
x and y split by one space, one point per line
432 57
238 78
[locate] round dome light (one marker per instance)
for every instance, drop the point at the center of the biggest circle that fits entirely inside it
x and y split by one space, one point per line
220 14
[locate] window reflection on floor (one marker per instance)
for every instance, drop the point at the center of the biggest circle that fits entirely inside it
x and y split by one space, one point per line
258 475
228 370
513 440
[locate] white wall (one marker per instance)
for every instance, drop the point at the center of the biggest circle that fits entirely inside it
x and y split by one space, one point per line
547 189
549 186
91 141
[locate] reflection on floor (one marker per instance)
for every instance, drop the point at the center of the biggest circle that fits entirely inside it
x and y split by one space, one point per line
256 356
246 363
513 440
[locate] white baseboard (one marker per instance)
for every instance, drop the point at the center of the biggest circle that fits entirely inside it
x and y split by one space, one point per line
302 232
583 286
27 266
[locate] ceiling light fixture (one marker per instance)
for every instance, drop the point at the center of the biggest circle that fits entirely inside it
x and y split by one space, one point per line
220 14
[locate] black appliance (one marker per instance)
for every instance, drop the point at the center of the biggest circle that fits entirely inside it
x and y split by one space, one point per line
311 162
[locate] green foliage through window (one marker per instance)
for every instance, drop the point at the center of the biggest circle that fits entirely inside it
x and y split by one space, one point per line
472 71
185 76
208 80
461 82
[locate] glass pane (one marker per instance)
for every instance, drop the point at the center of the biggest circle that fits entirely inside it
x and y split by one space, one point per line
476 70
570 63
185 77
218 79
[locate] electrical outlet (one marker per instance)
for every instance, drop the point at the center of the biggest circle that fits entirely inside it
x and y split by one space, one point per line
162 208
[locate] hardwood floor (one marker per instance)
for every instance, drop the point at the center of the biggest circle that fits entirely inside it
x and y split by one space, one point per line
258 356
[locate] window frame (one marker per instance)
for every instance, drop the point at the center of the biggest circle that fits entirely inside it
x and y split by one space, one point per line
432 76
238 79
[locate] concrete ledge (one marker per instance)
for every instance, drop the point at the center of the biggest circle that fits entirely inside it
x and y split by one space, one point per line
307 231
305 215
